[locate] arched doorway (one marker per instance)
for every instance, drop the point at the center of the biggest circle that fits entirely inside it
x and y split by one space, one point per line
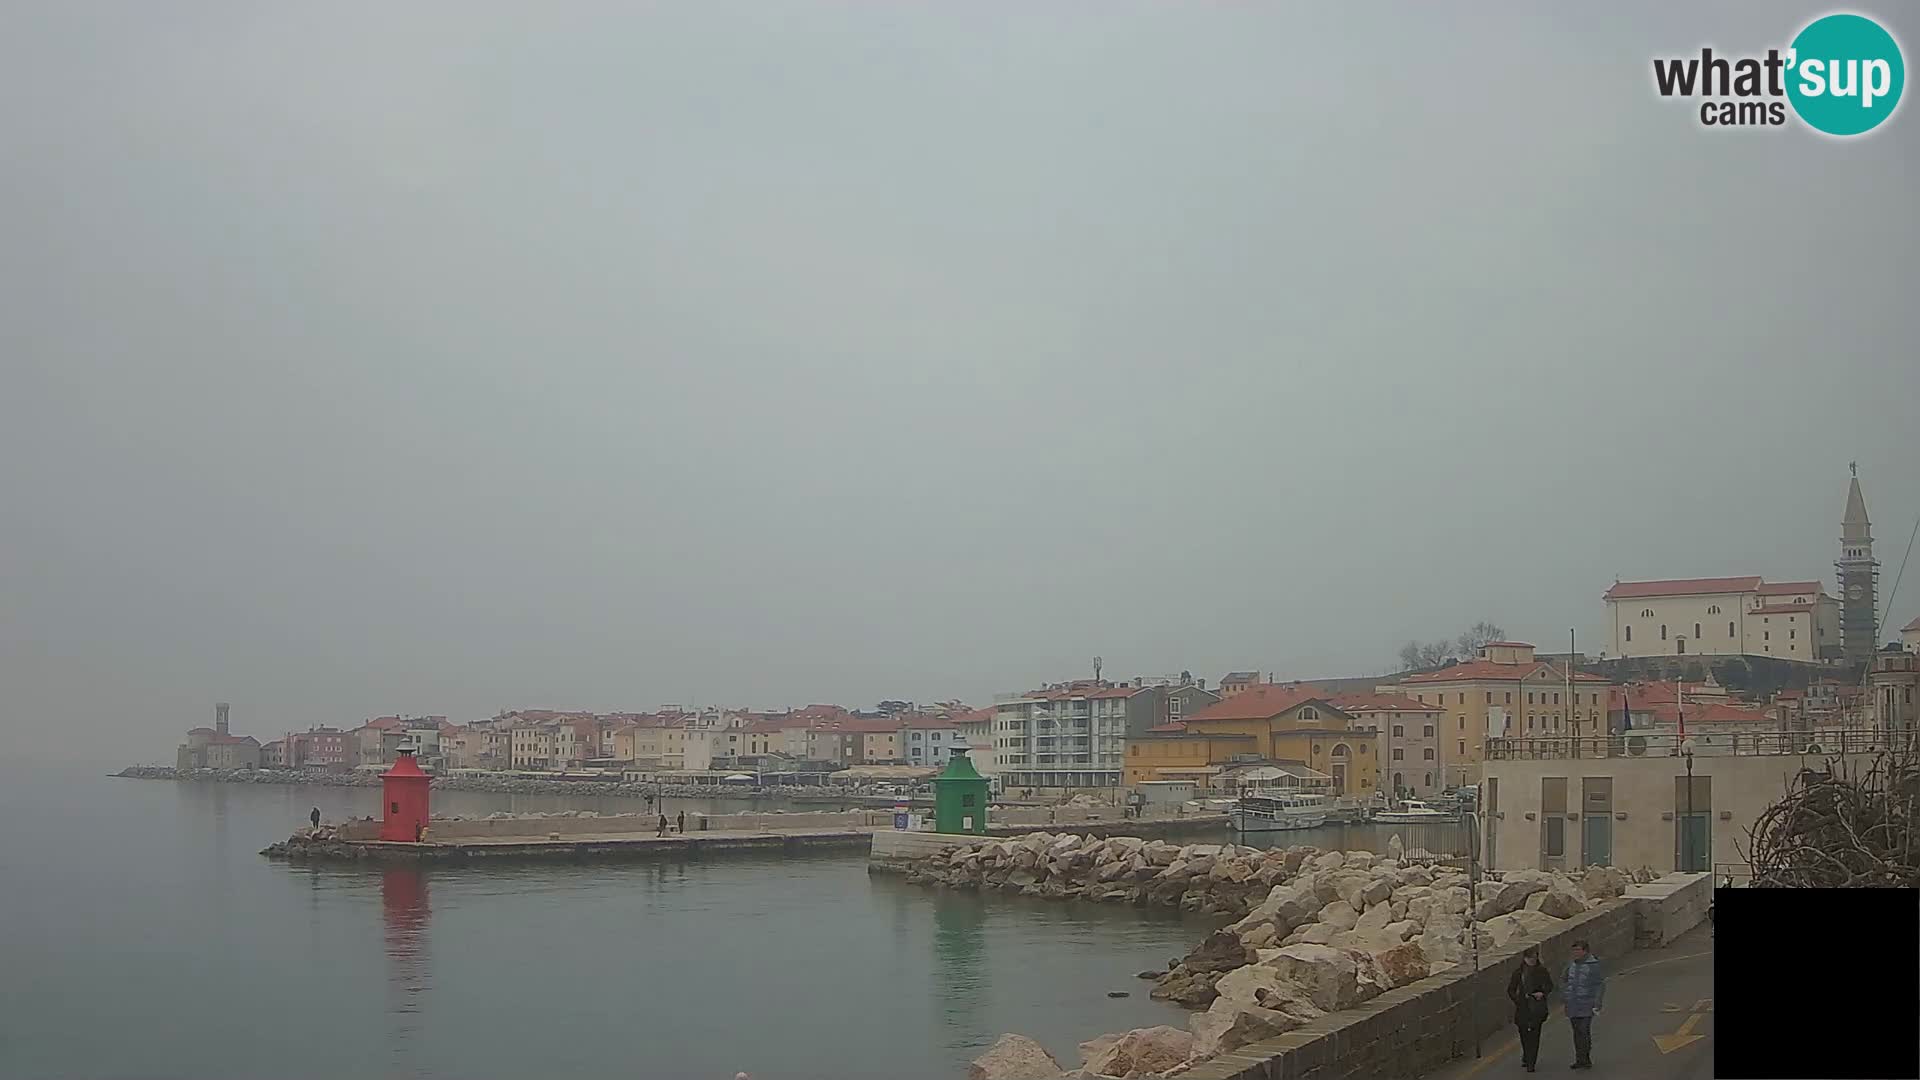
1341 758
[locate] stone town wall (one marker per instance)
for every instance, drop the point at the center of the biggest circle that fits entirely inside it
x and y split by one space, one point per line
1417 1028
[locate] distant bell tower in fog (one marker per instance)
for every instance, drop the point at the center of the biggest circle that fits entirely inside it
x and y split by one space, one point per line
220 717
1859 577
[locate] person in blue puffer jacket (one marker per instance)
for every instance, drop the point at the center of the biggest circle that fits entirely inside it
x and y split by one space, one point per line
1584 988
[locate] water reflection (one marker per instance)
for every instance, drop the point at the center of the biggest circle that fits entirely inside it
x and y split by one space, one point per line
959 959
404 908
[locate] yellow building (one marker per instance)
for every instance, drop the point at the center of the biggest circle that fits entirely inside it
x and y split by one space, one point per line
1505 692
1268 722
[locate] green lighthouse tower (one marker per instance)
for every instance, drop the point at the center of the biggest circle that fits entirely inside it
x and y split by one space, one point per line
960 797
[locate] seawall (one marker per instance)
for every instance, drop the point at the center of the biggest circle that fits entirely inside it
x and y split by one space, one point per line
1415 1029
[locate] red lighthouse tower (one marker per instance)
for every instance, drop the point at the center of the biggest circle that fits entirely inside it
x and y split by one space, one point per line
404 791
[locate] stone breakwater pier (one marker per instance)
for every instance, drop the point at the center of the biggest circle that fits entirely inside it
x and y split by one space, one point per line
1341 965
591 838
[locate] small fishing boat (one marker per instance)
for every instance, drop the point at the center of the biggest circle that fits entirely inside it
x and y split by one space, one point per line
1409 812
1277 813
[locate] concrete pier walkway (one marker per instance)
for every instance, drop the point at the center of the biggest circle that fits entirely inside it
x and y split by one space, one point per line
1657 1023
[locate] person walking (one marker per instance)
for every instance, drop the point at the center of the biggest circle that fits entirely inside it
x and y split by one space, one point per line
663 826
683 823
1585 987
315 817
1528 990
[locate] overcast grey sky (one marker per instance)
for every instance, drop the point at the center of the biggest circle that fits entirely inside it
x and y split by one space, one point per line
444 357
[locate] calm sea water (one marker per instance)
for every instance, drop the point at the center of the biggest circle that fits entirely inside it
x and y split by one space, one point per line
142 935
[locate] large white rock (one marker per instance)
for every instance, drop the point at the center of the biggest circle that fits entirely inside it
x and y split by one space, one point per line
1014 1057
1359 860
1374 921
1501 897
1560 900
1328 976
1317 933
1522 925
1603 883
1143 1051
1339 915
1330 860
1452 900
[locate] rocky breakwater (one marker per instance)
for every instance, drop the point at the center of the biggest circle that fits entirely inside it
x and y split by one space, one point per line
322 844
1325 931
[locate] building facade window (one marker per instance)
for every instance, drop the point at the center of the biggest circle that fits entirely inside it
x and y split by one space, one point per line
1629 633
1429 731
1663 631
1729 629
1696 629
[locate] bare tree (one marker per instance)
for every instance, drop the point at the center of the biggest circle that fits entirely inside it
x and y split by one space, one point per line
1845 826
1415 655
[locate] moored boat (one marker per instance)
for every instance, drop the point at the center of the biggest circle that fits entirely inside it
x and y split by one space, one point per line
1277 813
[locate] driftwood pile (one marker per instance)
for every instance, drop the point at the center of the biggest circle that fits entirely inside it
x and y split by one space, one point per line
1842 827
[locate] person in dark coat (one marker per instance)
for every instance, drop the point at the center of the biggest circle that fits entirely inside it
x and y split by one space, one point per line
315 817
663 825
1528 990
683 821
1585 987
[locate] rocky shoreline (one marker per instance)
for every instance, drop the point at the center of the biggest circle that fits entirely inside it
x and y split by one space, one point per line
1318 932
503 785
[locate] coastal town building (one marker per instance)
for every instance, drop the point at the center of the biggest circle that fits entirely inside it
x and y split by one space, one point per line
1407 739
1910 636
1063 737
1567 803
928 740
976 733
1271 723
1893 685
1728 616
1505 691
1238 682
318 748
217 747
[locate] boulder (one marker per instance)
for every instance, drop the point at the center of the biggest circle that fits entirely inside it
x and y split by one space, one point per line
1603 883
1359 860
1096 1046
1450 879
1260 936
1560 900
1014 1057
1339 915
1451 900
1332 860
1317 933
1141 1052
1374 921
1231 1029
1395 849
1375 891
1503 930
1194 989
1400 931
1500 897
1328 976
1404 963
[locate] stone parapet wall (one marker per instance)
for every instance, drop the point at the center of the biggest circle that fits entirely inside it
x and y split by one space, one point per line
1417 1028
1670 906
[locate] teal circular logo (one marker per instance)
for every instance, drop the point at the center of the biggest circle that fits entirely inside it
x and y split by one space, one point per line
1845 74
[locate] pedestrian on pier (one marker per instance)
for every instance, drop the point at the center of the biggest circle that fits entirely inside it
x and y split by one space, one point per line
683 822
663 826
1585 986
1528 990
315 817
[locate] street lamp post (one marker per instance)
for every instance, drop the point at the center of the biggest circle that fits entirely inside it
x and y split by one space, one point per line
1686 826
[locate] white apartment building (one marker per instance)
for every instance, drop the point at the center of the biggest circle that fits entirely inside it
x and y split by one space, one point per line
1792 620
1072 735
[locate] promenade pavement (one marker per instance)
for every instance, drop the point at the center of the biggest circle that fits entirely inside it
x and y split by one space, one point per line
1657 1023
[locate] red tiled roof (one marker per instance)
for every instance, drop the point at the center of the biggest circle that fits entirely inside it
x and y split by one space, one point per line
1474 670
1262 701
1914 625
1381 703
765 727
1625 590
385 723
1714 713
1789 588
924 722
974 716
1169 727
854 725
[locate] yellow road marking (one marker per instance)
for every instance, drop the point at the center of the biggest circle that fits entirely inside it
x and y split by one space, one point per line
1684 1037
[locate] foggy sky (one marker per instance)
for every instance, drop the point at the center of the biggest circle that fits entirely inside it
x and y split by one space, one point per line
445 357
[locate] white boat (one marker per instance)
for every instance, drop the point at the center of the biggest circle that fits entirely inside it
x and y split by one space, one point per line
1277 813
1411 811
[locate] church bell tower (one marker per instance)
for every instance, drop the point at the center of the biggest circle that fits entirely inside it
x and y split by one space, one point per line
1859 577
